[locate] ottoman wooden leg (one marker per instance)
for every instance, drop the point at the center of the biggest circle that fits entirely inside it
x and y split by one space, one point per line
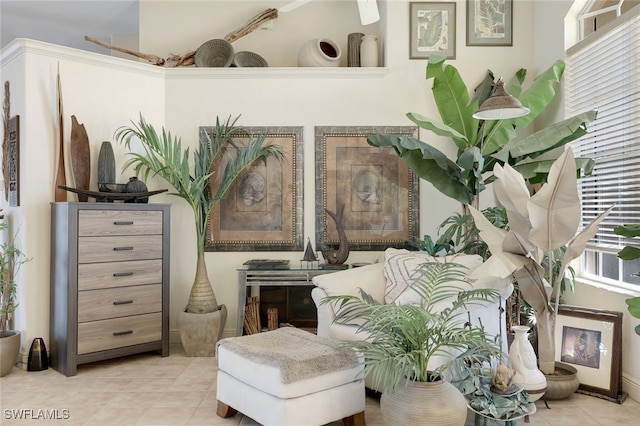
225 411
355 420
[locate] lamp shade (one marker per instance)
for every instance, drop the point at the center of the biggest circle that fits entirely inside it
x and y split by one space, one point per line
500 105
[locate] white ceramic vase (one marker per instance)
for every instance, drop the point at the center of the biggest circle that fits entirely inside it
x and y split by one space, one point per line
369 51
523 360
319 53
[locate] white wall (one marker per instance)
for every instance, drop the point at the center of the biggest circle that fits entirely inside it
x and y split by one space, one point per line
106 93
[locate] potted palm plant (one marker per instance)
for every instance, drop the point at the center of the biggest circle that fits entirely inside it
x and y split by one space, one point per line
11 258
403 339
202 186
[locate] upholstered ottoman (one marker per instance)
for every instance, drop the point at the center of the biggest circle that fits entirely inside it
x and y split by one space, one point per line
289 377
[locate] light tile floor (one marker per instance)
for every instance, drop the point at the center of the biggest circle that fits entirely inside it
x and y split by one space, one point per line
147 389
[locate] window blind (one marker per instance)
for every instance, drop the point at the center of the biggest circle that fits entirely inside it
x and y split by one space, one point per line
603 73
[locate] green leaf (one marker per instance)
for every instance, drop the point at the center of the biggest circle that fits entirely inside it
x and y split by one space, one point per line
439 129
429 163
629 253
548 138
536 171
633 304
629 230
452 99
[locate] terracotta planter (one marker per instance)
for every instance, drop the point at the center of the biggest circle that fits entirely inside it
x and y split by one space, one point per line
564 384
9 348
419 403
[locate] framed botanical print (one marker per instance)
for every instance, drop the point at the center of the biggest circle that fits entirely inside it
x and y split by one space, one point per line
432 27
489 22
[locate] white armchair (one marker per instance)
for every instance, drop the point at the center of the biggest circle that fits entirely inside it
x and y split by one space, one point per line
373 280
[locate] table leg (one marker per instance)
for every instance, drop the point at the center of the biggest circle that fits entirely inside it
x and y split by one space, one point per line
242 301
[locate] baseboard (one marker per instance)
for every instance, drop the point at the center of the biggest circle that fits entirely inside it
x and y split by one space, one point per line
631 385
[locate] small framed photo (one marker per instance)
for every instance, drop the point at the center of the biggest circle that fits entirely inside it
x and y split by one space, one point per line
489 22
370 189
590 340
432 27
262 210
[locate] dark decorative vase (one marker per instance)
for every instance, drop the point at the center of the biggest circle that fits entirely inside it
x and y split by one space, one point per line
353 49
106 166
136 186
38 358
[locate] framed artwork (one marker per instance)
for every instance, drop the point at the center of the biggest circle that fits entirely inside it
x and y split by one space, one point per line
13 156
262 210
371 190
489 22
432 27
591 341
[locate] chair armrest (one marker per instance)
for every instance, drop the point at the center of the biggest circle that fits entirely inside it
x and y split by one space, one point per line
326 314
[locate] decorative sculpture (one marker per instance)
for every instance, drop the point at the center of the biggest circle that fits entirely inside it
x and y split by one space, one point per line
334 257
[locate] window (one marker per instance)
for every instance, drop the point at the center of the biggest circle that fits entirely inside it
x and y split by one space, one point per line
603 73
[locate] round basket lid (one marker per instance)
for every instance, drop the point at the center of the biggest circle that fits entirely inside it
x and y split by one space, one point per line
249 59
214 53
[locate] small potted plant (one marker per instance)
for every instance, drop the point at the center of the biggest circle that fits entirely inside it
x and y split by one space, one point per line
402 339
11 258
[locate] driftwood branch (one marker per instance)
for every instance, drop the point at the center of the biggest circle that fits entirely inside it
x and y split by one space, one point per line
252 24
188 58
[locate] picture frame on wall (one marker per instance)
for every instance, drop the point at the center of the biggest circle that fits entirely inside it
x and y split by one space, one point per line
13 155
262 210
590 340
432 27
370 189
489 22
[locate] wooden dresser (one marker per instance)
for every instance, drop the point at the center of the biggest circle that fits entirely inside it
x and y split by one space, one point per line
109 282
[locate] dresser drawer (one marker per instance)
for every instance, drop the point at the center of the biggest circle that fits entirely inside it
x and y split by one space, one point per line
115 249
96 305
115 333
119 274
108 222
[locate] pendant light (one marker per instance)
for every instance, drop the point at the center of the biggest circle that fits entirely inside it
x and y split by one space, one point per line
500 105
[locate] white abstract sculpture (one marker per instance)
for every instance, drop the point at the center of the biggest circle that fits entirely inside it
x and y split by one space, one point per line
540 223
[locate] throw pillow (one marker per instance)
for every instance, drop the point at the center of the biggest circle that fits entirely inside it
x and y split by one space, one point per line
400 266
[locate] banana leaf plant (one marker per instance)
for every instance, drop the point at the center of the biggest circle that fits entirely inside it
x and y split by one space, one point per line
630 253
538 225
482 144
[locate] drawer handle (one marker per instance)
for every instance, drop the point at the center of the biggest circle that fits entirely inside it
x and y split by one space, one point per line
122 274
122 248
122 302
123 222
122 333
